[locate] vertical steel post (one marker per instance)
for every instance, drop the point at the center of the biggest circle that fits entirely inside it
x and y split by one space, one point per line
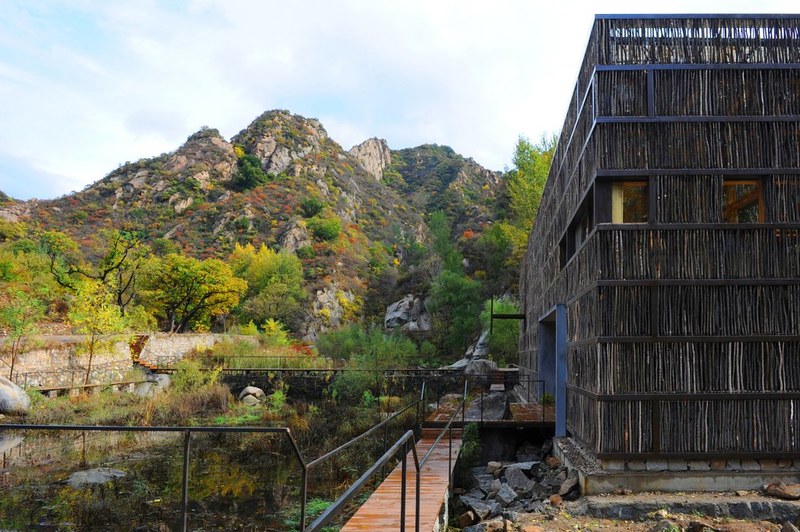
450 460
403 487
303 496
185 483
385 443
481 405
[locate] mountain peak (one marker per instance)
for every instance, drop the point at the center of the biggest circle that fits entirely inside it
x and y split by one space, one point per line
373 155
278 138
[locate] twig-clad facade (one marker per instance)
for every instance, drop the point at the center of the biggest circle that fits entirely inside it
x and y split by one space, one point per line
670 229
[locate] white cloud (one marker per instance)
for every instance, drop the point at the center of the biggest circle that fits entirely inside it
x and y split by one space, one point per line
88 85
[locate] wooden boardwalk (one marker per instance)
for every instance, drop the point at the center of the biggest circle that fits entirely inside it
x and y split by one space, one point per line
382 509
521 414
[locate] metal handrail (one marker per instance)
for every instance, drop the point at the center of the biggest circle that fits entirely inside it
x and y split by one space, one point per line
401 444
187 433
419 463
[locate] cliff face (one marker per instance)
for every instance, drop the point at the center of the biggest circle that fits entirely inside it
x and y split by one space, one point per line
373 155
276 183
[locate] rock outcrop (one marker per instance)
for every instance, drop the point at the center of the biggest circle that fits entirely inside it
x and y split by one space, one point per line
409 314
294 237
373 155
279 139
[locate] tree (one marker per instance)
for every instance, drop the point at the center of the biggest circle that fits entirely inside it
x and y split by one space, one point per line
504 340
250 174
116 256
527 180
455 305
183 291
442 243
20 314
94 313
274 284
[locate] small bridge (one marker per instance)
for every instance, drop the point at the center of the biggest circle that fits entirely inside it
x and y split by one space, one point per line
412 497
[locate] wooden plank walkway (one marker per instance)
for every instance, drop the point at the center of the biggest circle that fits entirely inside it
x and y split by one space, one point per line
382 509
521 414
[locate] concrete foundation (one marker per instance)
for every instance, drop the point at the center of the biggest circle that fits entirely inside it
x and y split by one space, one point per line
598 477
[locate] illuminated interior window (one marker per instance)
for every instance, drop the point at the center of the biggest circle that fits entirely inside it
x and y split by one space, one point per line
743 201
629 202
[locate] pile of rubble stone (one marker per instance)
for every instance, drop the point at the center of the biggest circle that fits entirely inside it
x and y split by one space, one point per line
503 491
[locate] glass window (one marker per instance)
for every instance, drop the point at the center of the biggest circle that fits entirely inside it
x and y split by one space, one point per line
743 201
629 203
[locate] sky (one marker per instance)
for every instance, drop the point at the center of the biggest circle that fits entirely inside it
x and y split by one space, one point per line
87 85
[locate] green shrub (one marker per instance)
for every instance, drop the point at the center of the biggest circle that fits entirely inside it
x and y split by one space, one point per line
311 207
504 340
190 376
325 228
350 386
275 334
469 456
250 174
248 330
305 252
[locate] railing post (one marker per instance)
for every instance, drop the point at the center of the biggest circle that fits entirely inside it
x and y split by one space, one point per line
385 443
403 487
450 460
481 405
303 496
417 499
185 483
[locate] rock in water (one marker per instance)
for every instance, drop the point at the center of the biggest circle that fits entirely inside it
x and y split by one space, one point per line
13 399
99 475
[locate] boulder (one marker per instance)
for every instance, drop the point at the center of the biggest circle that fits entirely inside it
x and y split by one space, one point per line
482 509
409 314
495 407
570 489
480 349
466 519
524 466
99 475
517 479
161 381
493 467
9 442
144 389
506 495
252 396
495 525
486 484
479 367
789 492
13 399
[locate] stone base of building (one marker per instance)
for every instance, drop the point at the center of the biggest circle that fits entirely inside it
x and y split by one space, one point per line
671 475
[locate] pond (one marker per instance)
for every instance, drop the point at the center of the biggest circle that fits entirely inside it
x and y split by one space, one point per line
236 481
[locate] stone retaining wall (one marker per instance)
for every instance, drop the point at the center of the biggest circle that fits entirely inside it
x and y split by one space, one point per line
54 361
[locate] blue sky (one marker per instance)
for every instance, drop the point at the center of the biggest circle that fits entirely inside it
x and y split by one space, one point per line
86 85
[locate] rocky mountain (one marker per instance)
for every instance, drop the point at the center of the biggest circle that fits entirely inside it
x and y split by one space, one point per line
283 182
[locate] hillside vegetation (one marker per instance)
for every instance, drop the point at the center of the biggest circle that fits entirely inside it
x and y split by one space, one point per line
279 223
